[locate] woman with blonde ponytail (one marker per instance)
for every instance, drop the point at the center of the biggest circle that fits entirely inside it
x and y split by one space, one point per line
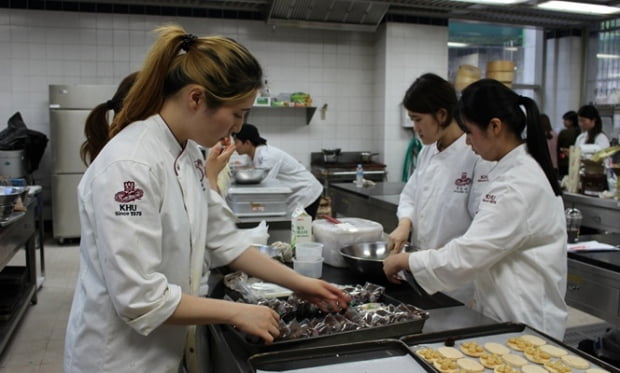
150 224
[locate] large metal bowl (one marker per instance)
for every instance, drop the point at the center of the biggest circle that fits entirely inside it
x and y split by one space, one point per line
8 198
249 175
366 258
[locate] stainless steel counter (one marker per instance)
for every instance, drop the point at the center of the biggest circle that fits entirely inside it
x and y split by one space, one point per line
16 233
594 280
377 203
598 213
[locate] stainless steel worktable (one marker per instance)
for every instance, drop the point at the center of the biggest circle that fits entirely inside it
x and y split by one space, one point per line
594 280
15 233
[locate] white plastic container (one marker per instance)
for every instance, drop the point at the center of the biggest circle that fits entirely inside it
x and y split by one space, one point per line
12 163
309 250
309 267
336 236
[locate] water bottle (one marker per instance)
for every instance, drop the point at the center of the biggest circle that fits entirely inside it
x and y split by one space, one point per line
573 223
359 176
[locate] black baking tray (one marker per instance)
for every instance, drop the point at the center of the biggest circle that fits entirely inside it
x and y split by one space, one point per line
454 336
331 355
381 332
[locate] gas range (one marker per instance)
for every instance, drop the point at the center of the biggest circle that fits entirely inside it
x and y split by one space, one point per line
343 169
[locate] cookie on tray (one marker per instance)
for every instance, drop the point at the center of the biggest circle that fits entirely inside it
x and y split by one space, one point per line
505 368
514 360
445 365
575 362
553 350
534 340
531 368
450 353
597 370
428 354
557 366
516 343
535 355
496 348
472 349
491 360
470 365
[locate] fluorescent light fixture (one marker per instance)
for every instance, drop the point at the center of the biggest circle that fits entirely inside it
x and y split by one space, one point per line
454 44
492 2
511 49
609 56
571 7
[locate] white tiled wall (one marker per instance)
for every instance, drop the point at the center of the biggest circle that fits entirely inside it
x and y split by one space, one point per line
359 76
411 50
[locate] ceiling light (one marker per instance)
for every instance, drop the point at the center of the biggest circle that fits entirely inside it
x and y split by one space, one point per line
603 55
571 7
511 49
455 44
492 2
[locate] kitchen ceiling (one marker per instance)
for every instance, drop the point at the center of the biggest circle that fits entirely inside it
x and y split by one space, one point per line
366 15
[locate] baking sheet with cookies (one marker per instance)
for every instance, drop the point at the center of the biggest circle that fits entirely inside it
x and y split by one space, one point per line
501 348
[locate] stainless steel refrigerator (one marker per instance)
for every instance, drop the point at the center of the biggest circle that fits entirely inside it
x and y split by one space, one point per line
69 106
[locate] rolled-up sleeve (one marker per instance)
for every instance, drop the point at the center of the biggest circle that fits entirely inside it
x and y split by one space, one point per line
224 241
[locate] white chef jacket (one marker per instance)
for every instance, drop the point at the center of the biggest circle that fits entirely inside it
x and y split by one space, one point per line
288 172
514 250
600 140
147 215
442 195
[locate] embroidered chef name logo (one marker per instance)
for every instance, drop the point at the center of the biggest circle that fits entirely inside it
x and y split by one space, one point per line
461 185
483 179
490 198
129 194
201 172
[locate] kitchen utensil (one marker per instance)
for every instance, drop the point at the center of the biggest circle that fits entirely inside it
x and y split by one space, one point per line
366 258
414 284
8 198
249 175
367 156
330 155
330 219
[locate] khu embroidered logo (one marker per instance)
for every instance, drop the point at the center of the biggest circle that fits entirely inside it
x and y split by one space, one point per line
489 198
463 180
483 179
130 193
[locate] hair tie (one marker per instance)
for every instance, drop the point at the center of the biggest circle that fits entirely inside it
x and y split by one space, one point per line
188 40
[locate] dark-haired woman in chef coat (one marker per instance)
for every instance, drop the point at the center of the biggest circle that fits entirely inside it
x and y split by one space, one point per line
514 251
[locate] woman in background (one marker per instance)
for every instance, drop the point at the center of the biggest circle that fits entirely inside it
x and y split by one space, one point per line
514 251
592 126
552 139
566 139
442 195
150 224
97 125
281 167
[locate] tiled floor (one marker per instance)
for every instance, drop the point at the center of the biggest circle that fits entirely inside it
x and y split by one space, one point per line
37 346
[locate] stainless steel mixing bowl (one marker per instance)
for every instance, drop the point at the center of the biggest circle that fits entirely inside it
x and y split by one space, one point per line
249 175
366 258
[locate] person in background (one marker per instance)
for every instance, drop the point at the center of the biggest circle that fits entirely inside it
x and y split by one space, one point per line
282 167
514 251
442 195
566 138
552 139
97 124
150 224
592 127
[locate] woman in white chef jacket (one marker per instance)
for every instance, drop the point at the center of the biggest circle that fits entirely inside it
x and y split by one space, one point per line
592 139
514 251
288 171
150 223
441 197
